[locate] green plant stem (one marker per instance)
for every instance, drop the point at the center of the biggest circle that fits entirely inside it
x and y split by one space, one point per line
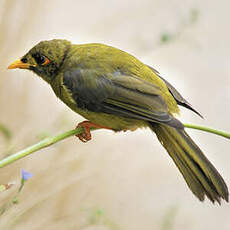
40 145
54 139
209 130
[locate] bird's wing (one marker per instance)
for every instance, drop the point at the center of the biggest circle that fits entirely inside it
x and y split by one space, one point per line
118 94
177 96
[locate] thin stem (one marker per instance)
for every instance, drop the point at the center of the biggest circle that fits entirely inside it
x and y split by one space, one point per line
52 140
209 130
40 145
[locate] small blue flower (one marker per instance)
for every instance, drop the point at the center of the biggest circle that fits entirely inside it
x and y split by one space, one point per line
26 175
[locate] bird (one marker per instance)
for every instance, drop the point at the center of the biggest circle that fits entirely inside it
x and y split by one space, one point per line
114 90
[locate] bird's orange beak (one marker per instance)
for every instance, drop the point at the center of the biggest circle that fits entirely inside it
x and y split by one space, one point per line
19 64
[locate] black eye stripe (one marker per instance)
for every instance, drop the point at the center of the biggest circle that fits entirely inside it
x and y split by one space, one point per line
24 60
40 59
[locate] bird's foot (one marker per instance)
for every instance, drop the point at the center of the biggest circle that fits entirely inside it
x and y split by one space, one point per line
86 134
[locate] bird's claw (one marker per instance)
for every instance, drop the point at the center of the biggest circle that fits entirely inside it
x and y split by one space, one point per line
85 136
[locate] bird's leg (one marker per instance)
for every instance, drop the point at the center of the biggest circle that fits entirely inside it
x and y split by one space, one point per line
86 134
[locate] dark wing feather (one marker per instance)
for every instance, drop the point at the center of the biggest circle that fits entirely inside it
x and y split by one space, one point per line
117 94
177 96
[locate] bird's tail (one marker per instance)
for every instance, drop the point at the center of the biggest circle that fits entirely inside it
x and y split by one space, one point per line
200 175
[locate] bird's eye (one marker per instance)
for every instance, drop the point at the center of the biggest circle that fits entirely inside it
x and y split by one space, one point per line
41 59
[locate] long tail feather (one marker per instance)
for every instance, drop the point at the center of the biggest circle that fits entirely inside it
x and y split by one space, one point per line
198 172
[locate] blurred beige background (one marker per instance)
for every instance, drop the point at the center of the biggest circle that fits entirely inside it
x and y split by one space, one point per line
122 181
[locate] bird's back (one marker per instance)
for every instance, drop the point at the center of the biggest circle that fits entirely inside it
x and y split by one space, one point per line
111 61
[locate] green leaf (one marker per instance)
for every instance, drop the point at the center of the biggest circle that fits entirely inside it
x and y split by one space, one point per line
194 15
5 131
166 37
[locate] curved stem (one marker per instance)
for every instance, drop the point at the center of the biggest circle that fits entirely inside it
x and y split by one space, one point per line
54 139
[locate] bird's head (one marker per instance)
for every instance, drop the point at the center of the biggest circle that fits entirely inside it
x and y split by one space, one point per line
45 59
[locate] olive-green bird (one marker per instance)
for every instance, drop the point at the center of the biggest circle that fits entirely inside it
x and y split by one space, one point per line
114 90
